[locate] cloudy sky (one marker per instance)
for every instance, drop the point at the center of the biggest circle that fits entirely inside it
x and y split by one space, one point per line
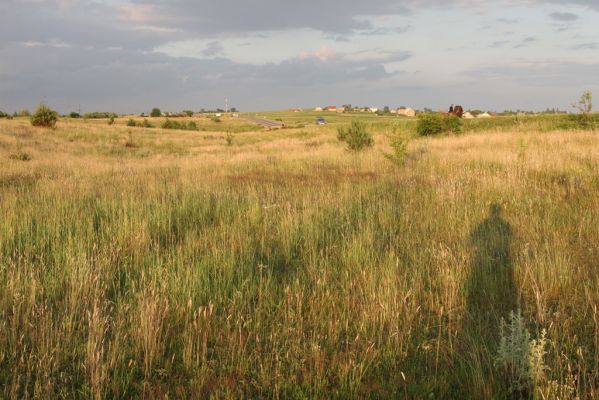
131 55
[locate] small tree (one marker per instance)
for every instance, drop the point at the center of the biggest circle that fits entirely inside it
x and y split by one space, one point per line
44 117
585 103
156 113
356 136
189 113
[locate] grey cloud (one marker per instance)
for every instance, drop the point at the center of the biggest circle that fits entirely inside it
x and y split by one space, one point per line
538 74
586 46
500 43
564 16
135 81
508 20
213 49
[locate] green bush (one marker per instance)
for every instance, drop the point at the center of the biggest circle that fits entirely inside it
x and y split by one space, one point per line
216 119
99 115
74 115
434 124
44 117
399 147
156 113
170 124
144 124
111 120
583 121
189 113
356 136
3 114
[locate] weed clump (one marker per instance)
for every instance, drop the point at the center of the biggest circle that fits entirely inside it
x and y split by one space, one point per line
100 115
44 117
356 136
19 154
435 124
229 138
143 124
185 126
520 359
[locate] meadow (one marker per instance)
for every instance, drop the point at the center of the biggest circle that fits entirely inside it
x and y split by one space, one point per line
241 262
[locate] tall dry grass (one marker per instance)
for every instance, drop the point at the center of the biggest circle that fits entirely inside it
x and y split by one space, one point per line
284 266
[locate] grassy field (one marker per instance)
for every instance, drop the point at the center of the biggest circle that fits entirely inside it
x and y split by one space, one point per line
150 263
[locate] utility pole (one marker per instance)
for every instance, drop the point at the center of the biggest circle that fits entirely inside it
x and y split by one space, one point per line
226 105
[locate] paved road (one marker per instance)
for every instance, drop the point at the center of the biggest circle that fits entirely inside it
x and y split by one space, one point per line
265 122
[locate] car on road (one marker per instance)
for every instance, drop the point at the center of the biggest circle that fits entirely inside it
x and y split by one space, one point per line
320 121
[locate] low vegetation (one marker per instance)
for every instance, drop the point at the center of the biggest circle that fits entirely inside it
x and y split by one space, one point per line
100 115
44 117
140 124
138 263
356 136
434 124
181 125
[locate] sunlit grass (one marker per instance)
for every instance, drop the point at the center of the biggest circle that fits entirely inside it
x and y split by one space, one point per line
285 266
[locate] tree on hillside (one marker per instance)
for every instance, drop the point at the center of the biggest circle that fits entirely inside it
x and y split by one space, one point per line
156 113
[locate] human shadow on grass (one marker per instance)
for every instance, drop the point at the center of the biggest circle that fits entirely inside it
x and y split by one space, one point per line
490 297
491 291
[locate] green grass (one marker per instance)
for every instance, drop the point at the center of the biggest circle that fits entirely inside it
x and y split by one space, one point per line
181 267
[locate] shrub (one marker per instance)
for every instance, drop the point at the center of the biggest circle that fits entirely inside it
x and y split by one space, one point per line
356 136
99 115
3 114
189 113
434 124
170 124
156 113
229 138
74 115
44 117
399 147
111 120
216 119
144 124
581 121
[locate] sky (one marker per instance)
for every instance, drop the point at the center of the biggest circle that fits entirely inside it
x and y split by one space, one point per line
128 56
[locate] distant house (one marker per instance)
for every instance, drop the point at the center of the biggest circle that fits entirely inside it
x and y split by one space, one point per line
393 111
296 110
318 109
406 112
341 110
468 115
331 108
484 115
373 109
